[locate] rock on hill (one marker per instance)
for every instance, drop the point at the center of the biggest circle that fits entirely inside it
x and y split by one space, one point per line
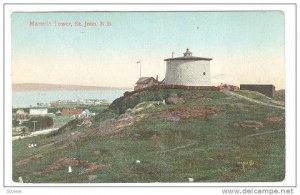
166 135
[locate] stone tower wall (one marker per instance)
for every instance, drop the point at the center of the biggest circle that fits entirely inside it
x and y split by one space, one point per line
188 73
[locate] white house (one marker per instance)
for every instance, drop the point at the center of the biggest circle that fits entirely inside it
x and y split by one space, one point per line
38 111
86 113
188 70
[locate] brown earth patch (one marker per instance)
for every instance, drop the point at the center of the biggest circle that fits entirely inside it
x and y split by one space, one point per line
29 159
274 120
243 107
249 124
94 166
65 161
100 151
174 100
70 144
115 126
174 118
179 99
192 96
191 112
75 138
92 177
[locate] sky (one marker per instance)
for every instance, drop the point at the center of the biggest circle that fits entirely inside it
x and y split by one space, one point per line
246 47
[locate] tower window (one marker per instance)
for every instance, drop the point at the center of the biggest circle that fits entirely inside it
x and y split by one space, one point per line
204 73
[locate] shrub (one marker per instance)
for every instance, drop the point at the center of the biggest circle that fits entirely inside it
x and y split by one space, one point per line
121 104
15 123
42 122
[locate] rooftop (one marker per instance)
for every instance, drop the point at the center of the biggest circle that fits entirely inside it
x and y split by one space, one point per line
144 80
188 56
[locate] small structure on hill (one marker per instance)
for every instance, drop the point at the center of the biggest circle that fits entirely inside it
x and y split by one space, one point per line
38 111
58 112
145 82
86 114
267 90
188 70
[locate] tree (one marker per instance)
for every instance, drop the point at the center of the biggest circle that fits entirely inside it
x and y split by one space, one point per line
15 123
39 122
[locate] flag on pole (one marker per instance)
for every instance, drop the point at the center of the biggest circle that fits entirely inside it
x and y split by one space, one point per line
139 62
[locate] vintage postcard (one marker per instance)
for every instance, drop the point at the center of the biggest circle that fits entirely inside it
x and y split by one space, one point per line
148 96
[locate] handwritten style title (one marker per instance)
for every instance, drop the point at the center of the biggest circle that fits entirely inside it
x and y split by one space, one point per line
70 24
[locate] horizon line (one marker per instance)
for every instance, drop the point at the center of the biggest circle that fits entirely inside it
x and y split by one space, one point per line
74 85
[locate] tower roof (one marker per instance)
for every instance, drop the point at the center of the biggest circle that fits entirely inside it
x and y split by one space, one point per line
187 53
188 56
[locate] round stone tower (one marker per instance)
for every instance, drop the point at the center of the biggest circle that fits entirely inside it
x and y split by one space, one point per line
188 70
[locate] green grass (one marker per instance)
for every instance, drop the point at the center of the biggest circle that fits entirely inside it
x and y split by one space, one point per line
92 108
209 149
60 121
279 95
260 97
253 95
16 133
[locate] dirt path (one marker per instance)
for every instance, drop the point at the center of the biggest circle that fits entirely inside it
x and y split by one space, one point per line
227 92
180 147
35 133
263 133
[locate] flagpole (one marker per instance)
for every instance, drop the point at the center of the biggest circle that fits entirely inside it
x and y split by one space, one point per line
140 62
140 69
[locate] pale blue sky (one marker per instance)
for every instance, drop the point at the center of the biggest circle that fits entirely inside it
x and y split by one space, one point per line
238 42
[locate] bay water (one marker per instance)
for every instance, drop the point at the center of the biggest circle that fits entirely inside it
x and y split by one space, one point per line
22 99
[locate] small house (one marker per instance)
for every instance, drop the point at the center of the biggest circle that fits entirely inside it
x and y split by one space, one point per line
58 112
144 82
38 111
86 113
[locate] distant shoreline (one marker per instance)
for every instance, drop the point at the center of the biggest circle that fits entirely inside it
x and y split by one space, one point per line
58 87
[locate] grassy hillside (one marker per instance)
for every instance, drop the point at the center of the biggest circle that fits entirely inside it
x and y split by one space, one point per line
280 95
278 99
204 135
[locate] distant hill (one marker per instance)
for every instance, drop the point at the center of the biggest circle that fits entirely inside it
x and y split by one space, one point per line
48 87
